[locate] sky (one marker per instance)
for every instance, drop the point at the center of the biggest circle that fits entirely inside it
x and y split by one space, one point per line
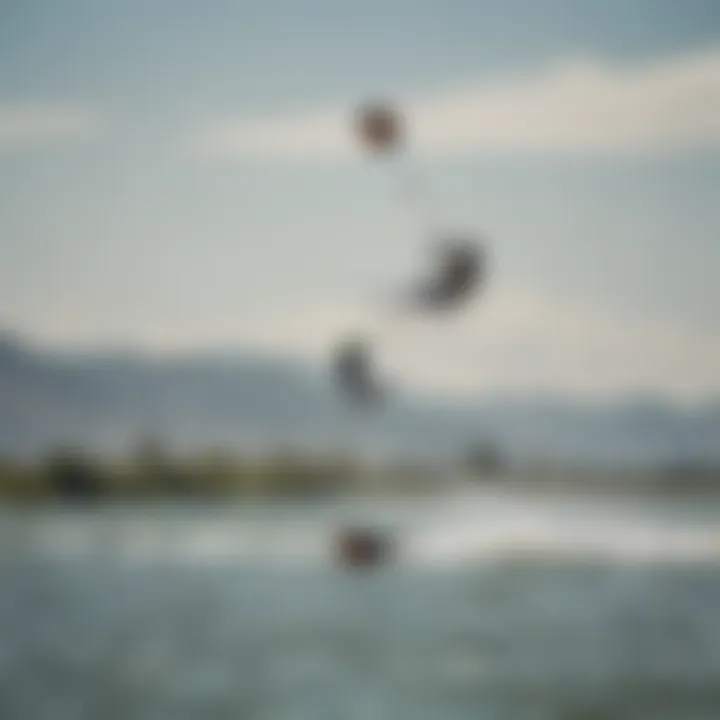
181 175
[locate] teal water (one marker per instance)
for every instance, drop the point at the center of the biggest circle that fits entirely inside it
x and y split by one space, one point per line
498 607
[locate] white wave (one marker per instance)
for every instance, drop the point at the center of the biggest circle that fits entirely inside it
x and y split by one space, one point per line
459 530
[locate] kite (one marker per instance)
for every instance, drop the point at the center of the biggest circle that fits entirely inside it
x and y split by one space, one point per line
380 127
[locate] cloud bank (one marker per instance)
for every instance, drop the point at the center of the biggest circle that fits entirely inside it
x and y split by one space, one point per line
577 107
30 125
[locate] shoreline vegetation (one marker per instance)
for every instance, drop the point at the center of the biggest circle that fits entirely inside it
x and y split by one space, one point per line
150 472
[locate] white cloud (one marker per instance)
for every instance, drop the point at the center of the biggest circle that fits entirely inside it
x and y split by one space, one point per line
577 106
27 125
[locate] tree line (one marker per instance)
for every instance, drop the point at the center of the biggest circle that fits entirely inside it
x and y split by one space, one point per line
73 474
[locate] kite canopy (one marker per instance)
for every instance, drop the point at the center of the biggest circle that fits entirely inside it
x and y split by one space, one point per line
380 127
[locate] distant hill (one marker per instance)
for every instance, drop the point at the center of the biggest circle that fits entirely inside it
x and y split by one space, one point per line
242 400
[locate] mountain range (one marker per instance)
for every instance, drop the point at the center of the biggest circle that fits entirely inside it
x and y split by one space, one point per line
238 400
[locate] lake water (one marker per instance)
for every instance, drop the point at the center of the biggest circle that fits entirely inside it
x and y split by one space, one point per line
500 606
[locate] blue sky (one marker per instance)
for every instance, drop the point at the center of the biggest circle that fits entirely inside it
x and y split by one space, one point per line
182 175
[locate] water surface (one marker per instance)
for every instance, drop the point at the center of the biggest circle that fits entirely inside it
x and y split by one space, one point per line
501 606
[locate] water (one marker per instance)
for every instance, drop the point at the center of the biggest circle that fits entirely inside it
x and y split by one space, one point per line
501 606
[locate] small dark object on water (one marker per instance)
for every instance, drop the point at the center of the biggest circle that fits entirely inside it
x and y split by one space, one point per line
362 548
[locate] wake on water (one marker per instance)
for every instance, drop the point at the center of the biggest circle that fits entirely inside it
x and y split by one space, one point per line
467 528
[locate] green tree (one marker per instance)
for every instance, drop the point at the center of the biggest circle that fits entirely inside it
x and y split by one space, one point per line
71 474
